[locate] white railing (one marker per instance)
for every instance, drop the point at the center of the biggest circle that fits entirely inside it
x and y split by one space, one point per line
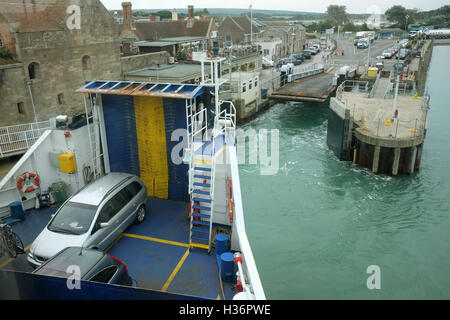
353 85
249 268
374 87
19 138
312 70
388 87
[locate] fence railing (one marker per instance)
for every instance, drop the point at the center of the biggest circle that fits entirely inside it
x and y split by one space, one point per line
379 123
311 70
352 86
19 138
374 88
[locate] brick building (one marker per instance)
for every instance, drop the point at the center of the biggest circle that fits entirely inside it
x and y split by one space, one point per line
287 37
237 30
175 33
53 57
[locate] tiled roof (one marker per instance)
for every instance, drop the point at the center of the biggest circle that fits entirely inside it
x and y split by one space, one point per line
244 23
154 30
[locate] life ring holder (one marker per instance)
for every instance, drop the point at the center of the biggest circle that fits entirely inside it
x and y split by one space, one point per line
28 182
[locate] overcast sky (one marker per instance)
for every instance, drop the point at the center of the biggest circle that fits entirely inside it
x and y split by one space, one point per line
353 6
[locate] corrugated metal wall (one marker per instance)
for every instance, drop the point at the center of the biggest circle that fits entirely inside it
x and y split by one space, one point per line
138 131
120 124
175 118
151 139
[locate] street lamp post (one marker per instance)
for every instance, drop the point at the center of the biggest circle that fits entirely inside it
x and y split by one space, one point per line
406 23
292 47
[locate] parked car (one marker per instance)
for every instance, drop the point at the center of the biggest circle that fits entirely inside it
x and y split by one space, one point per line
295 60
387 54
312 51
379 65
306 54
299 56
403 53
267 62
317 46
95 265
93 217
362 44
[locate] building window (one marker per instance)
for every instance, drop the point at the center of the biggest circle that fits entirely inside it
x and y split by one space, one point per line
256 82
86 63
1 42
61 98
20 108
250 85
34 70
244 87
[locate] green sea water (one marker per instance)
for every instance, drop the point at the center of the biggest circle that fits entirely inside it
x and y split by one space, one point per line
316 225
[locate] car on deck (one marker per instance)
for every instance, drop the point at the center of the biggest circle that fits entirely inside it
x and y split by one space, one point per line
92 218
93 265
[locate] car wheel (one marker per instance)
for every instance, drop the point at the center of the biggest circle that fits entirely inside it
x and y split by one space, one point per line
140 216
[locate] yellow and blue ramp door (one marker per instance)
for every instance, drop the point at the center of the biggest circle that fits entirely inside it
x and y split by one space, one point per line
120 127
139 121
151 141
175 118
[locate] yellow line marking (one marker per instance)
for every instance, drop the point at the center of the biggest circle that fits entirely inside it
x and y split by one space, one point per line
156 240
175 271
4 264
199 245
174 243
114 242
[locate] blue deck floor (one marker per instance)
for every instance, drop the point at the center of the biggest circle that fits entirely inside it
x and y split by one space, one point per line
156 251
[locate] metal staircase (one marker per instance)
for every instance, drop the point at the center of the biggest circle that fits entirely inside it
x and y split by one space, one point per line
202 147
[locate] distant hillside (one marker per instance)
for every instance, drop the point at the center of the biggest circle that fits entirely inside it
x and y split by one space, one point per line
257 13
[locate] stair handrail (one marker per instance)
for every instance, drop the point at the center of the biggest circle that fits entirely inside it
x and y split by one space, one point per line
375 85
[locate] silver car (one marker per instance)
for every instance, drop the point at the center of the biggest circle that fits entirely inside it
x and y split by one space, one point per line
92 218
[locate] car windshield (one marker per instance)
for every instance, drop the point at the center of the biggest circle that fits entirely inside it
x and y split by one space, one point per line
73 218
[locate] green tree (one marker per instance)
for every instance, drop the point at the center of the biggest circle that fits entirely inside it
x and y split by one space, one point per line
350 27
401 16
336 15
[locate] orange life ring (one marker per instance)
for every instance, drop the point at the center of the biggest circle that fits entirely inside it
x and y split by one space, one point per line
28 182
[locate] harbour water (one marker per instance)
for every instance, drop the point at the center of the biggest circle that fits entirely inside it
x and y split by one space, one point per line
319 223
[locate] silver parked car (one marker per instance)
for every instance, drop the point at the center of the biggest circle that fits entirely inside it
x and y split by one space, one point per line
93 217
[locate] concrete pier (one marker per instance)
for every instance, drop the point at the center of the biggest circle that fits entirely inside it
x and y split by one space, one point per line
361 130
376 159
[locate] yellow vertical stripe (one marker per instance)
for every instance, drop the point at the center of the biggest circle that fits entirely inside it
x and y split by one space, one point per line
151 138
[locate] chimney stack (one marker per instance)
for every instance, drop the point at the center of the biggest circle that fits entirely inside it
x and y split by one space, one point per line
190 11
174 15
127 15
